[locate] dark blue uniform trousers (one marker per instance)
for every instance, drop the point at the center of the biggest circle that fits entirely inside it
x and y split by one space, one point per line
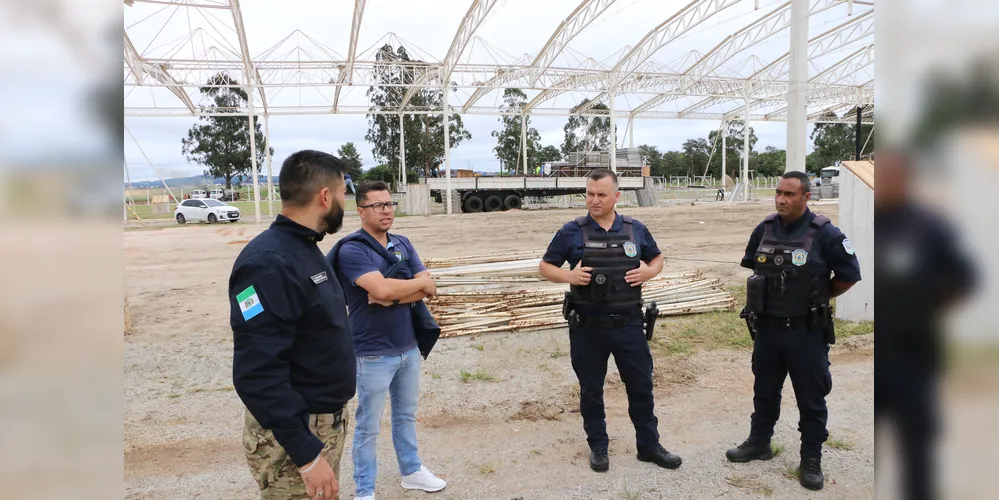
589 349
804 355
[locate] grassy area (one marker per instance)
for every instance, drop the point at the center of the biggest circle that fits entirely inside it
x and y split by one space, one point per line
684 335
479 375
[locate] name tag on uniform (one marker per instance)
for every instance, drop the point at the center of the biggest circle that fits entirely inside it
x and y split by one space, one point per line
319 278
595 244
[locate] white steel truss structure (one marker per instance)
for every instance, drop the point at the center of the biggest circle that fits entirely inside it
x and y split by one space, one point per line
196 39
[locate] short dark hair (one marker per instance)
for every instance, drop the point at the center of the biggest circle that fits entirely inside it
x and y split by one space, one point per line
602 173
368 186
306 172
806 183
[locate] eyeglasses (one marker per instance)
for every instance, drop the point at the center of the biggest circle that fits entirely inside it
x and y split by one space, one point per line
380 207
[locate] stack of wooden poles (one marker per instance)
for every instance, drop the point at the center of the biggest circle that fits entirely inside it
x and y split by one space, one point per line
504 293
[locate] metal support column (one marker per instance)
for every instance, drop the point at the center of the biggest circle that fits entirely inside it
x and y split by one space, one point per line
523 140
270 174
858 134
447 147
402 149
253 155
724 147
613 132
631 132
745 150
797 87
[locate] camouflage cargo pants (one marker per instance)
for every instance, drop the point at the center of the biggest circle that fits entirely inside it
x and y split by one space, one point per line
272 468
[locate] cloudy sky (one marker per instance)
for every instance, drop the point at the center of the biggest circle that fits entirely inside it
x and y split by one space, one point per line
514 29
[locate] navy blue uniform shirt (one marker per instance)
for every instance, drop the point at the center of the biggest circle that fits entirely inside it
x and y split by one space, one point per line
829 241
377 330
567 245
293 354
922 267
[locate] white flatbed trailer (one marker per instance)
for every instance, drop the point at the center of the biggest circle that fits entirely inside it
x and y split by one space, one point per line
493 194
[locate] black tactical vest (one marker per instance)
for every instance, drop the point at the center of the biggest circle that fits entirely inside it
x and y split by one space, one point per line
611 256
796 279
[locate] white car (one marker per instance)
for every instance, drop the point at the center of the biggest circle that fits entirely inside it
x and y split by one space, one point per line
206 210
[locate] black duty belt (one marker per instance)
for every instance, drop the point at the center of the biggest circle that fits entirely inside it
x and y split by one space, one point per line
326 419
612 320
775 323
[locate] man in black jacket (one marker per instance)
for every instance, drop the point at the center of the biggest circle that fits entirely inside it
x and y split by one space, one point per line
293 360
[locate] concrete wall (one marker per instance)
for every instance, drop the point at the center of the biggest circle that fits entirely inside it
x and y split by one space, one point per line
973 197
418 199
856 220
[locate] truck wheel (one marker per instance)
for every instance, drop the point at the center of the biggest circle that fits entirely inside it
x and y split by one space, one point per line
512 202
473 204
494 203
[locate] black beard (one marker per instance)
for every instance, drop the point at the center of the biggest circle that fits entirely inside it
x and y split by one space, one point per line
333 220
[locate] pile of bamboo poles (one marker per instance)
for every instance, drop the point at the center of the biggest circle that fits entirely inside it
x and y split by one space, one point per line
496 295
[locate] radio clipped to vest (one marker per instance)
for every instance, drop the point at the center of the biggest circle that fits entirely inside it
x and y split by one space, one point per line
756 293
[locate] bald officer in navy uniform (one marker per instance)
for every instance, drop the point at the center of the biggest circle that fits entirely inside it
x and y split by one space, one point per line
793 254
611 257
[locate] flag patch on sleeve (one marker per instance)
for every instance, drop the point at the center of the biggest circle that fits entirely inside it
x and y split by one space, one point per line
249 303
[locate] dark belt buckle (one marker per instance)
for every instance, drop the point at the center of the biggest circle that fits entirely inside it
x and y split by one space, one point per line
337 418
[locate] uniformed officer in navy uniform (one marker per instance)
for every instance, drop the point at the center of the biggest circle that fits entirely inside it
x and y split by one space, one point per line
611 256
924 272
293 360
793 253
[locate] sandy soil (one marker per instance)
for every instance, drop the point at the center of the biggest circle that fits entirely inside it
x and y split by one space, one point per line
518 436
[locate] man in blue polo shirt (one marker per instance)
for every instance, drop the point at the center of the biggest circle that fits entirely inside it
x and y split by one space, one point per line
385 344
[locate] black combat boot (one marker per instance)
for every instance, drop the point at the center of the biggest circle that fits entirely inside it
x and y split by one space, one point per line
811 473
660 457
599 461
750 450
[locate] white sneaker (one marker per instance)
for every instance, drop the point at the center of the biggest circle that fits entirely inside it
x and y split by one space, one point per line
424 480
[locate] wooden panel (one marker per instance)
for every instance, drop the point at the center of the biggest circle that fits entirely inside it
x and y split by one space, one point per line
863 170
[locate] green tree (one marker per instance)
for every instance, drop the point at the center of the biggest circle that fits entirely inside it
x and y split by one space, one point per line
221 142
674 163
424 133
508 148
348 153
695 152
771 162
834 142
386 173
549 154
734 149
583 133
657 166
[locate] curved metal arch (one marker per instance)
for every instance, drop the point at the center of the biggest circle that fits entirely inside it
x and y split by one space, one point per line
347 71
581 17
476 14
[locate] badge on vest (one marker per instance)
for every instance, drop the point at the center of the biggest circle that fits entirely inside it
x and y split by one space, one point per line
630 249
761 258
799 257
779 260
319 278
398 255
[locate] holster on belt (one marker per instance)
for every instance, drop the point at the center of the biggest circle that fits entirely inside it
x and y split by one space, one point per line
820 319
651 313
750 318
569 312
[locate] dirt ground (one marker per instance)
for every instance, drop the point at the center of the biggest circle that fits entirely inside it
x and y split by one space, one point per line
518 435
